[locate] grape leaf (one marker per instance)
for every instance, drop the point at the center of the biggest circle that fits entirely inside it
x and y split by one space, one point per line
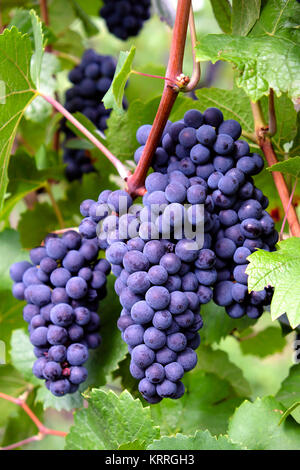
280 269
11 317
217 324
39 110
114 96
35 224
255 426
234 104
89 26
15 56
289 392
244 16
110 421
11 383
264 343
269 57
66 403
37 58
291 166
217 362
25 178
222 12
208 403
202 440
10 252
22 356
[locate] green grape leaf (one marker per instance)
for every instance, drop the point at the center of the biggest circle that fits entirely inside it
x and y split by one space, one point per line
281 270
39 110
291 166
35 224
11 317
16 93
91 7
222 12
66 403
22 356
125 126
264 343
37 58
234 104
25 178
10 252
289 392
269 57
114 96
123 373
89 26
218 363
286 117
255 426
134 445
11 383
244 16
217 324
202 440
208 403
110 421
62 15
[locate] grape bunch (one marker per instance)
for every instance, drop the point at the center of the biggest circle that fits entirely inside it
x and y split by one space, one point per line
125 18
207 150
62 286
91 79
159 283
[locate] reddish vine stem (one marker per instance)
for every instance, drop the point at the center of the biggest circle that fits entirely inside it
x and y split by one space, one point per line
266 146
135 182
44 12
288 208
43 430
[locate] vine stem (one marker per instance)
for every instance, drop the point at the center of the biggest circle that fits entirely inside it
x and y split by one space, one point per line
136 72
195 78
43 430
121 169
55 206
135 182
266 146
288 208
44 12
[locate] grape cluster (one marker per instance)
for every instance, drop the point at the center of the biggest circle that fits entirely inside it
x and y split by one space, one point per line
125 18
206 162
62 285
91 78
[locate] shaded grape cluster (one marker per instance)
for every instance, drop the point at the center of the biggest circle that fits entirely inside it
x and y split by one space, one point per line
62 286
208 149
125 18
91 79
